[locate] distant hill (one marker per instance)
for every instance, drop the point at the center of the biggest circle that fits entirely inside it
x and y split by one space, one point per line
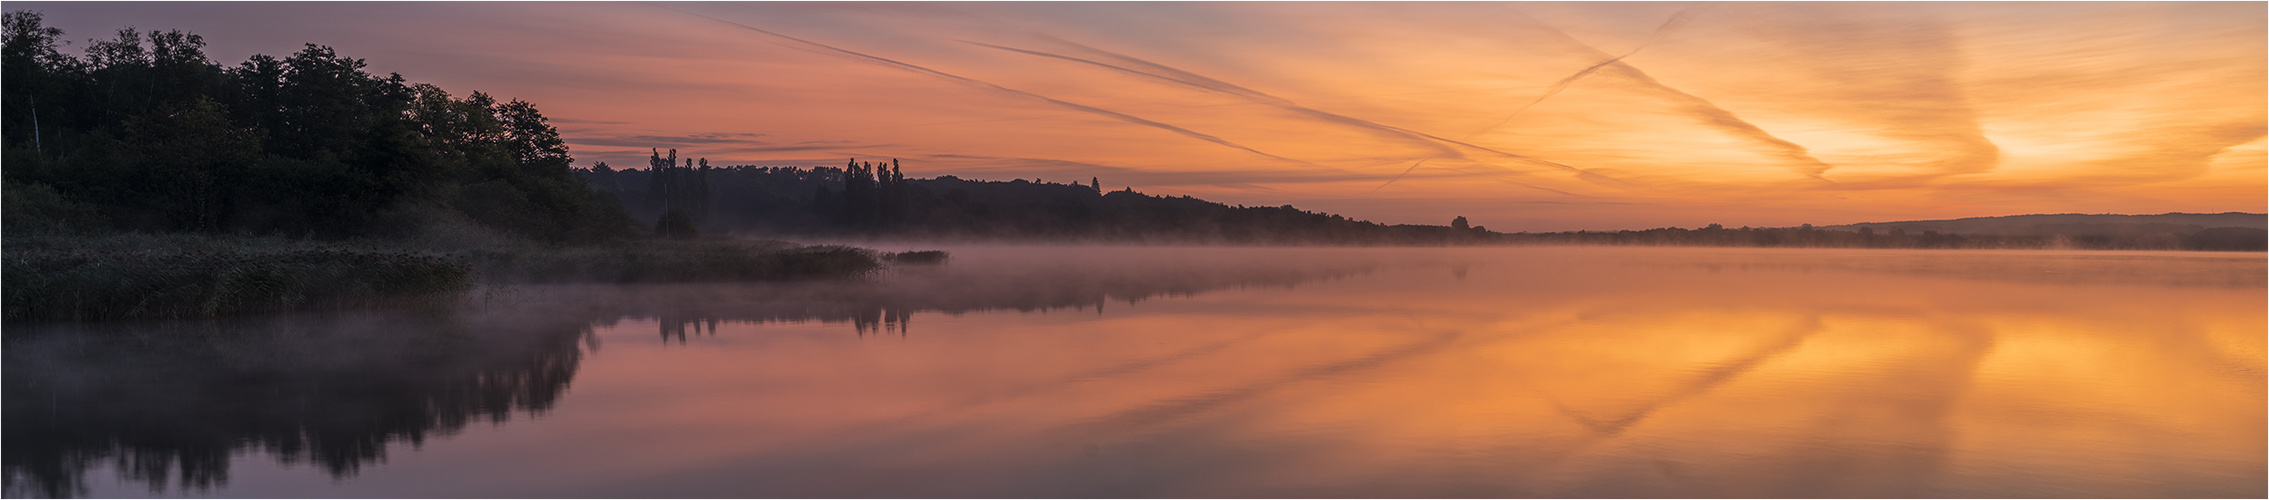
2234 231
2072 224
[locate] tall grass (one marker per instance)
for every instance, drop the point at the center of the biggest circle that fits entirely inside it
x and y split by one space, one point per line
136 276
918 257
96 284
673 262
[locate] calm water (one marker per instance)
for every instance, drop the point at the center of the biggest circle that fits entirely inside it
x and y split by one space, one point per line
1083 372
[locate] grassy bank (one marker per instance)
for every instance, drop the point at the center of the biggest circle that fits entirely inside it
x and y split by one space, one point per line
214 280
671 262
173 277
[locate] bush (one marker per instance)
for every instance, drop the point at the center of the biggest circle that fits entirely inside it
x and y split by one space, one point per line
144 276
676 225
675 262
922 257
38 209
208 282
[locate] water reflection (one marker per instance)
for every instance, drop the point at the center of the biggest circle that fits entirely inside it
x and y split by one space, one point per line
169 404
1295 373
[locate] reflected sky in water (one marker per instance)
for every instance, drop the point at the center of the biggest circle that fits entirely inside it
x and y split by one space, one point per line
1082 372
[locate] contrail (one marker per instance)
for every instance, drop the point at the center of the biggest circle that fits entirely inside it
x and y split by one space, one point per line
1414 167
1711 113
1209 84
983 84
1548 93
1719 117
1226 87
1674 21
1397 177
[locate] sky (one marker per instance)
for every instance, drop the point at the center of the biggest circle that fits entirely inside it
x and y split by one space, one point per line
1520 116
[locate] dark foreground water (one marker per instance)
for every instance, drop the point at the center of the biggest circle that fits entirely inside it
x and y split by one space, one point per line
1086 372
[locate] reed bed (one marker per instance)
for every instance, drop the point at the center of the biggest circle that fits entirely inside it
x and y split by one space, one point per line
208 282
918 257
674 262
176 277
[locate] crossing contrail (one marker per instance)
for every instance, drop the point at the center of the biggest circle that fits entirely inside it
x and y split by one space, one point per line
825 48
1711 114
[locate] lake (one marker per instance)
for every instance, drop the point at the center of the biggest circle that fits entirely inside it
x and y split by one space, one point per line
1204 372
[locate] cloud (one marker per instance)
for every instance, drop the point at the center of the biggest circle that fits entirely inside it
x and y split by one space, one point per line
1443 148
642 141
1026 167
1890 75
1675 20
982 84
1708 113
585 122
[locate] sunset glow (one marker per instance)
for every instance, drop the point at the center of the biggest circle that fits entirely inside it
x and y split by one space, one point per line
1521 116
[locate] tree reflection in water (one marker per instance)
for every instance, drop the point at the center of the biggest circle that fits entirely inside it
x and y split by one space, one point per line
168 404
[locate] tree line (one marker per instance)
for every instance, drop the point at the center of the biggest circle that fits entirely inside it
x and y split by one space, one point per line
143 132
876 199
865 199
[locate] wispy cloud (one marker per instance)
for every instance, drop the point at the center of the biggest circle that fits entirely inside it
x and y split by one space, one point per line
982 84
1667 25
706 139
1442 148
1708 113
1005 167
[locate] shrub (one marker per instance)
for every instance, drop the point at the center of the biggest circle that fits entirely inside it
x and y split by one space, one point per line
675 262
922 257
203 283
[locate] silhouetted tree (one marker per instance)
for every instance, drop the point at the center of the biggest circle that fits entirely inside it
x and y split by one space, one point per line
676 225
149 132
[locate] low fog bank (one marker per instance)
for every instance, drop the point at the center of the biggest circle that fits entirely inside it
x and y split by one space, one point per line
169 403
1046 277
972 278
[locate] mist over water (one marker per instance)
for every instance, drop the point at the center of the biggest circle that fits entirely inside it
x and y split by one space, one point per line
1205 372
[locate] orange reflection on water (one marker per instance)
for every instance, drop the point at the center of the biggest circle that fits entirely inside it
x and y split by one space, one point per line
1524 372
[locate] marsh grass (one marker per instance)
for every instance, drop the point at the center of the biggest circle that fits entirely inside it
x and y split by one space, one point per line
673 262
100 282
918 257
136 276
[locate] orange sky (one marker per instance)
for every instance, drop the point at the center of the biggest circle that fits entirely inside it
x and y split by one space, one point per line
1520 116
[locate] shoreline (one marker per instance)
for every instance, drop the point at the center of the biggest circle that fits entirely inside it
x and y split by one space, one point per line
139 276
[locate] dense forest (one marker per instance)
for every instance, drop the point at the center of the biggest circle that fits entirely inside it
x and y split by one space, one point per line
876 199
144 133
